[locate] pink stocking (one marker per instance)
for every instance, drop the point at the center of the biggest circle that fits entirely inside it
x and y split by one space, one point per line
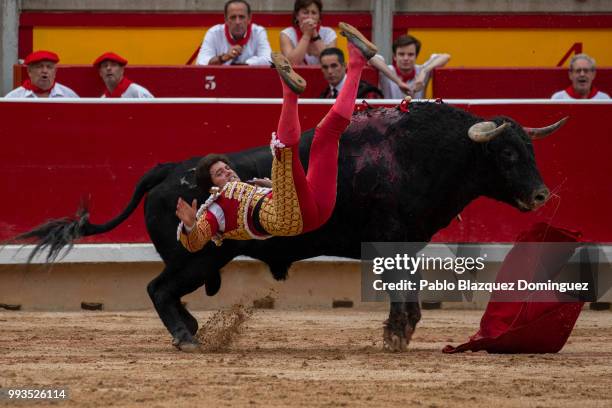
345 103
288 131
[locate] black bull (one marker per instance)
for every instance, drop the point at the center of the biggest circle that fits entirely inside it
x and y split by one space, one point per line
402 177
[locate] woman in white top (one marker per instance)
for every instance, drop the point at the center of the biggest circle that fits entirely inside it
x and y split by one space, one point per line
303 42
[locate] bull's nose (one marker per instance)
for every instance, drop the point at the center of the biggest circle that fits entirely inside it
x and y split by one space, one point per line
540 196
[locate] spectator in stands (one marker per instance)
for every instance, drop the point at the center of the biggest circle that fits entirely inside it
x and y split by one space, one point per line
405 52
582 74
238 41
303 43
334 71
111 68
41 83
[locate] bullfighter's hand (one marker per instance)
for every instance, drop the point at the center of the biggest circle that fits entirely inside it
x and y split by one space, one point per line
187 213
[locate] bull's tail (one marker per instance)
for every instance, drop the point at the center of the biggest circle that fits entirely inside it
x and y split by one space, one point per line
57 235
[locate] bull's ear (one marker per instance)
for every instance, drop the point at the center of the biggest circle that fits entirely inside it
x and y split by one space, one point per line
541 133
483 132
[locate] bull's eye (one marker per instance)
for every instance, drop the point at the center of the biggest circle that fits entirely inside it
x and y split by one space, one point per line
509 154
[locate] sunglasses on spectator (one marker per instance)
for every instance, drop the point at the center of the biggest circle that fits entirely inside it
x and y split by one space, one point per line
580 70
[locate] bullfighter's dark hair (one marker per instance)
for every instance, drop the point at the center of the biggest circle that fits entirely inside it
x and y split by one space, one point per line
333 51
300 4
404 40
202 173
248 6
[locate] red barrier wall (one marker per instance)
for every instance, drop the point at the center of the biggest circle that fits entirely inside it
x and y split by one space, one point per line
193 81
55 153
498 83
260 82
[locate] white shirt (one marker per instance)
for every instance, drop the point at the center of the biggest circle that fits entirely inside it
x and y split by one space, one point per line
135 91
255 52
564 95
338 87
58 91
328 35
390 89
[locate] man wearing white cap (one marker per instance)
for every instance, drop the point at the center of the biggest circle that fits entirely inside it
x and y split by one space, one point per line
111 69
41 83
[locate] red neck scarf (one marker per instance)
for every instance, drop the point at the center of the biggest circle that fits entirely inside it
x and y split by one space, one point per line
119 90
570 91
405 77
27 84
241 41
299 34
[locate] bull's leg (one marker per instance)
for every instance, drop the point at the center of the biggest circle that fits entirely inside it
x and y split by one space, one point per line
187 318
401 325
212 285
166 291
179 280
414 316
394 334
404 314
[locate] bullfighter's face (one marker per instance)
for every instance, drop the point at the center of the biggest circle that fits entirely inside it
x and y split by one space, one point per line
405 57
111 73
42 74
582 74
237 19
221 173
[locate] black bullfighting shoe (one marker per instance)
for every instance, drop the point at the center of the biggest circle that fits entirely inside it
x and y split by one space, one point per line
358 40
295 82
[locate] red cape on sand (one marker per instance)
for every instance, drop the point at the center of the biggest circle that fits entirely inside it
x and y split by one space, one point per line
528 326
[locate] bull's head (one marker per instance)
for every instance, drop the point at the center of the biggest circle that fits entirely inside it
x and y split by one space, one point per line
517 180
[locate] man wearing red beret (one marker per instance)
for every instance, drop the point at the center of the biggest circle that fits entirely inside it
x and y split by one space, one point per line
111 67
41 84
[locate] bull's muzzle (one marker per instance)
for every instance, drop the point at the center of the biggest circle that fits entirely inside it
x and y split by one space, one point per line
538 198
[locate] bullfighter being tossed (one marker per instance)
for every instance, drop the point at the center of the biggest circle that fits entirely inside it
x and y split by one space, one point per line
294 202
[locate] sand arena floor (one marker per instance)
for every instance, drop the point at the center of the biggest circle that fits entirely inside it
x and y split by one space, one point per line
296 358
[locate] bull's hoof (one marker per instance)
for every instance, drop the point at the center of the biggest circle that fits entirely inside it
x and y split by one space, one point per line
187 346
394 343
408 332
190 347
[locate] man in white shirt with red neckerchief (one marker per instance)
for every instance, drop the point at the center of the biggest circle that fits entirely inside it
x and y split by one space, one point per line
406 49
237 42
111 68
582 74
41 83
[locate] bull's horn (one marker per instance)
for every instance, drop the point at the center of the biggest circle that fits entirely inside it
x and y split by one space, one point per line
482 132
541 133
